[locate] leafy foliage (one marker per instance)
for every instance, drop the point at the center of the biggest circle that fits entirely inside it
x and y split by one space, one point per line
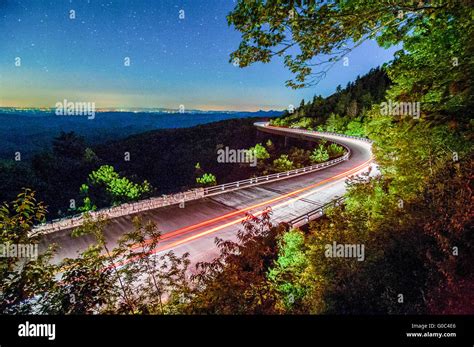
283 163
164 158
21 278
207 179
412 217
414 220
126 279
319 155
259 151
106 187
345 111
288 267
235 282
335 150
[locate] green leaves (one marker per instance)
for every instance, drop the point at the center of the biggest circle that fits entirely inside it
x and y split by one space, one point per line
302 32
334 150
259 151
235 282
411 216
319 155
290 264
282 164
18 217
106 187
126 279
207 179
20 277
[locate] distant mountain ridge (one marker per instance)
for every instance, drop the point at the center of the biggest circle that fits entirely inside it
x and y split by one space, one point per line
31 130
134 110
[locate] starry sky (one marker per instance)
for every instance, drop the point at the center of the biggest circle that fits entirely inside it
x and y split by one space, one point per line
173 61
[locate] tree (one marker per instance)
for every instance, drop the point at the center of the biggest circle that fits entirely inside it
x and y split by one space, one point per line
355 128
86 286
365 91
69 145
236 281
259 151
270 146
290 264
13 177
21 278
90 156
412 215
335 123
207 179
125 279
282 164
319 155
59 173
87 202
352 109
416 260
152 284
105 187
334 150
299 157
303 123
270 29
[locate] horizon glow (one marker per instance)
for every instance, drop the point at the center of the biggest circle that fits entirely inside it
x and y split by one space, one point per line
173 61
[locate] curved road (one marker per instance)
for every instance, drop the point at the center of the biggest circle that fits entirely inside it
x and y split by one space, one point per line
193 228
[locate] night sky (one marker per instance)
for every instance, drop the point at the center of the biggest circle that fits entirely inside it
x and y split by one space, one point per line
173 61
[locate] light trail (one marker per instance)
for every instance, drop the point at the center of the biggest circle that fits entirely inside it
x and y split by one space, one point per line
191 228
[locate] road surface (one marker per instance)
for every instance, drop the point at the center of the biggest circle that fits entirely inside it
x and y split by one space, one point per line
194 228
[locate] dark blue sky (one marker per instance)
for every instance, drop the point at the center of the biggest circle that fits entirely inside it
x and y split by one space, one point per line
173 61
